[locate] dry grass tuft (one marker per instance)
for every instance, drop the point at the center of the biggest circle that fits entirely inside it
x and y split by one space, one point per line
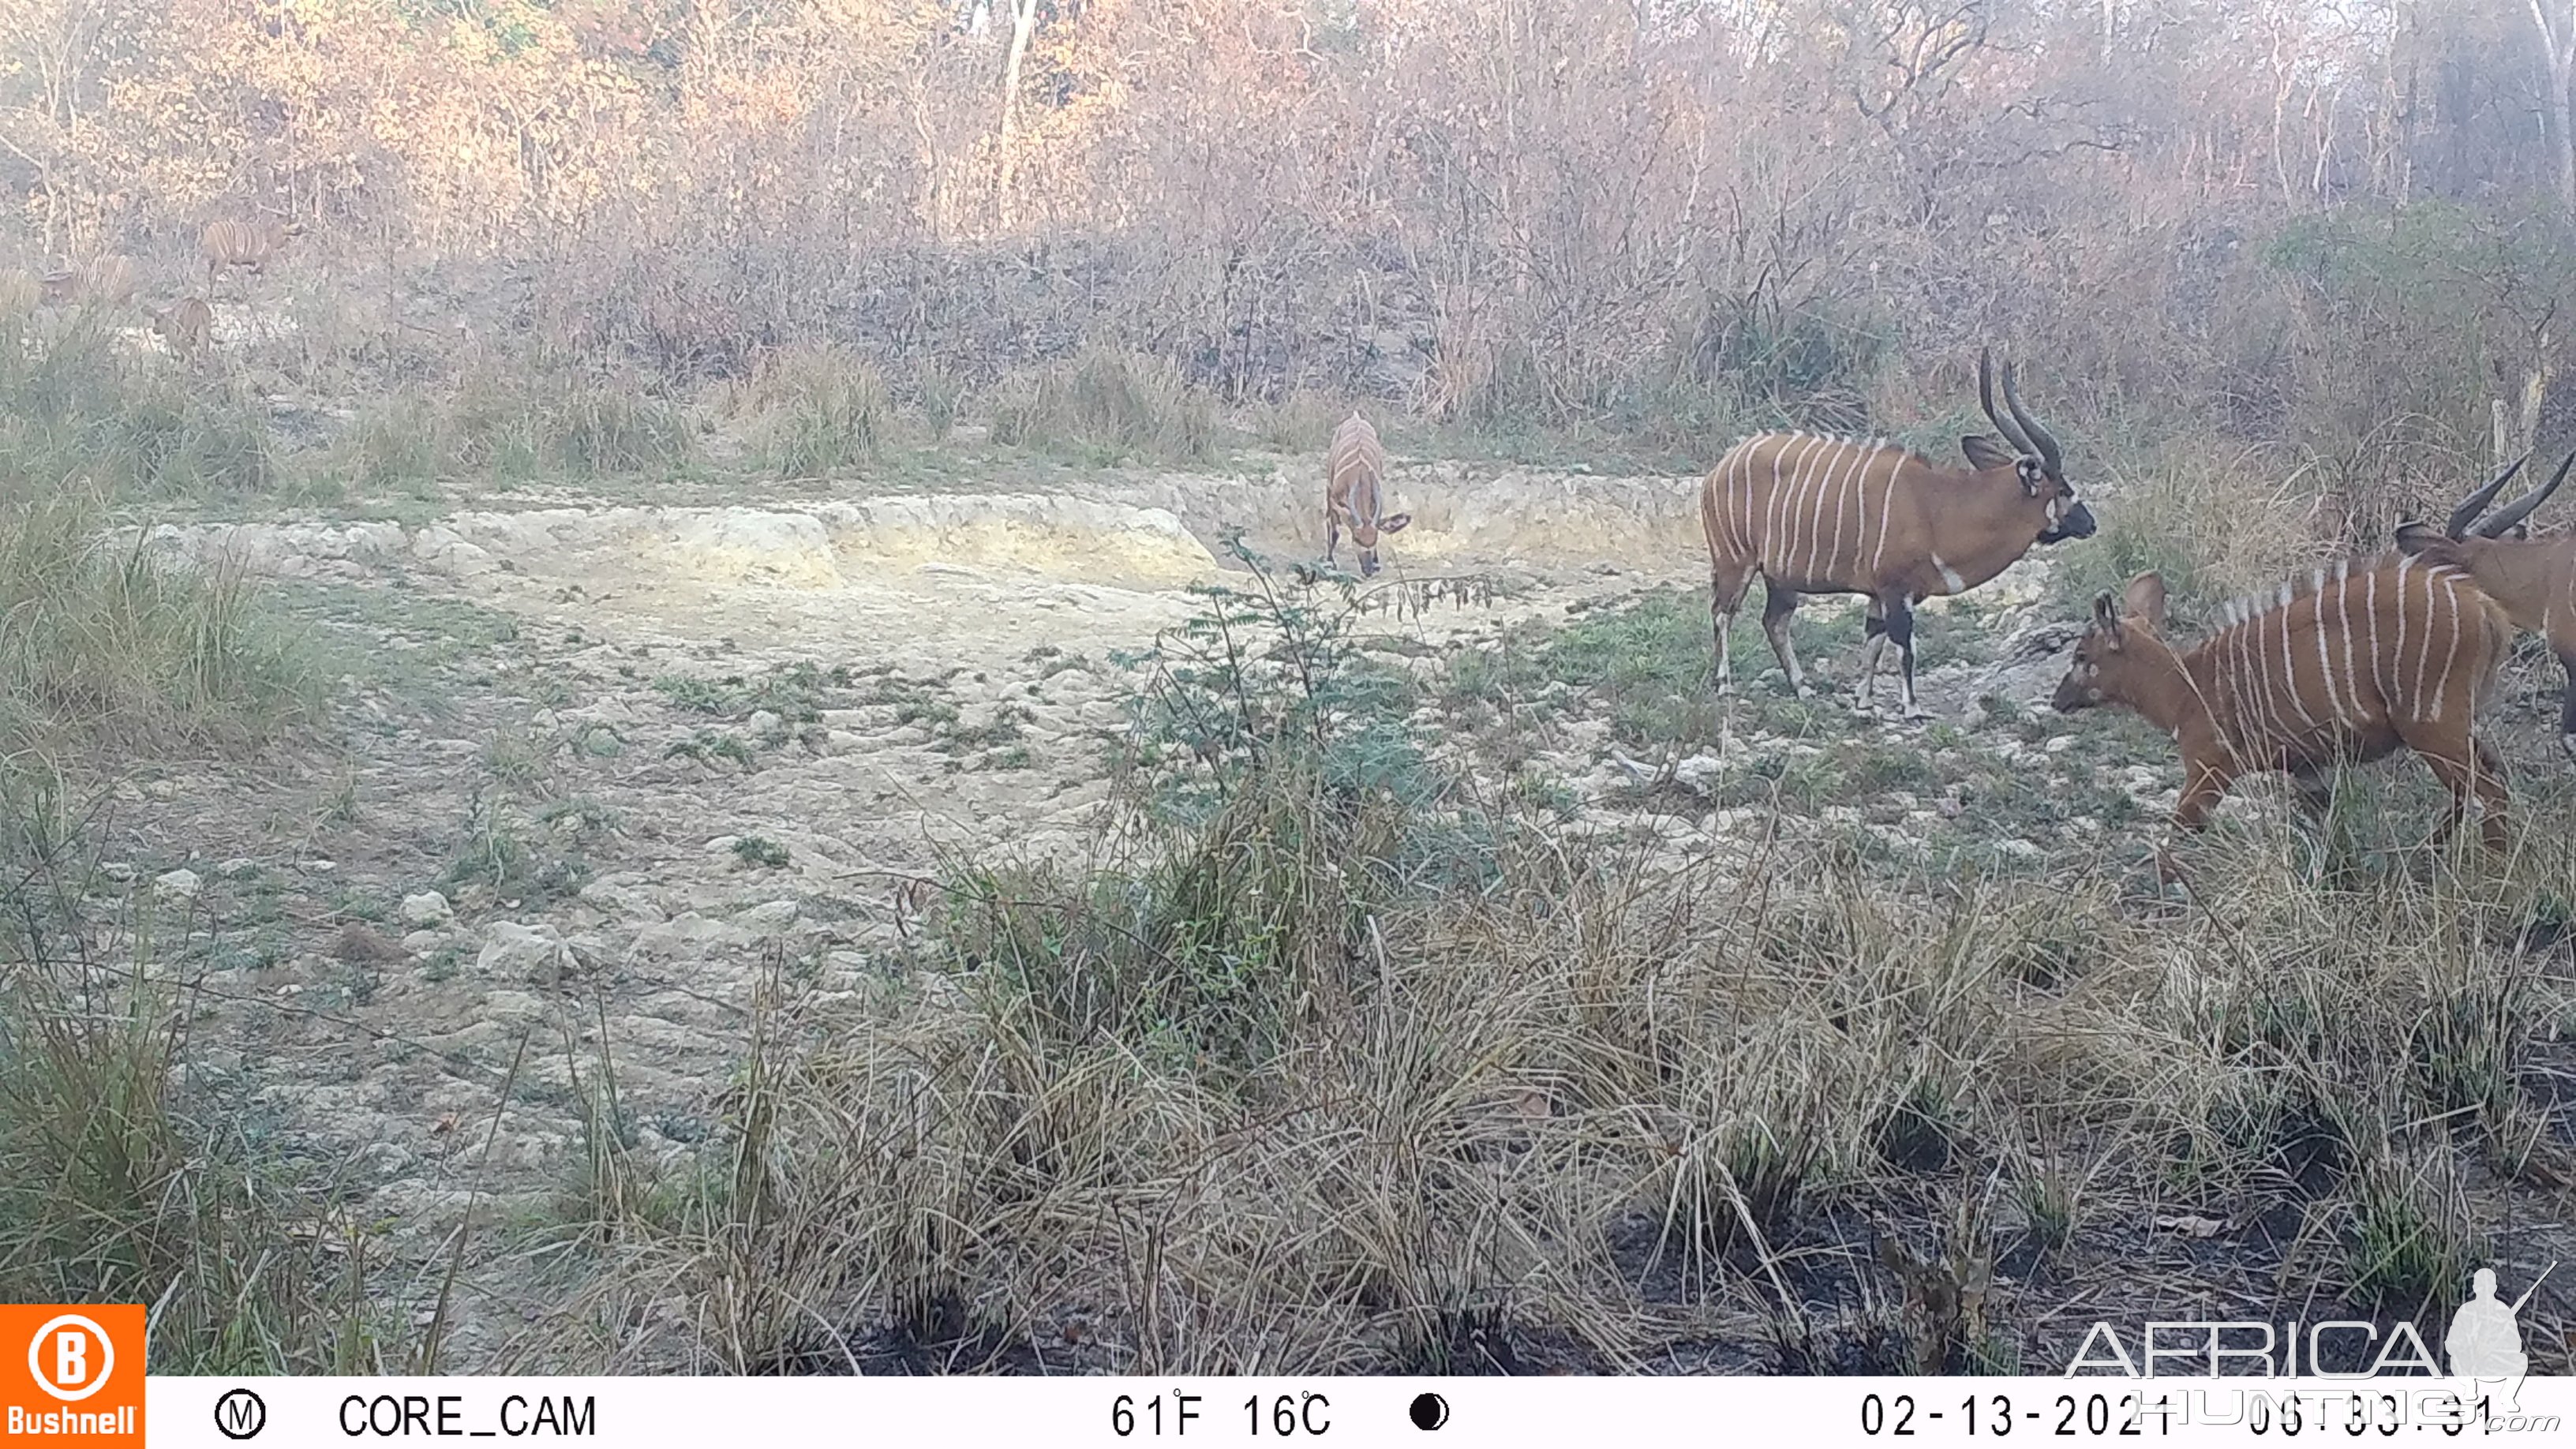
1110 404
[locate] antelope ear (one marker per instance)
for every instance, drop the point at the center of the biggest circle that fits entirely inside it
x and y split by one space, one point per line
1394 524
2145 600
1985 450
2413 538
2106 619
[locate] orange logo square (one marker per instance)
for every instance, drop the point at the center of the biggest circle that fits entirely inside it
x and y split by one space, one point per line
71 1373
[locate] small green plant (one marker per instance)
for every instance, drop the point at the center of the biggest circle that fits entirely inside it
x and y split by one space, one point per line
760 852
1919 1133
707 746
2048 1203
2405 1248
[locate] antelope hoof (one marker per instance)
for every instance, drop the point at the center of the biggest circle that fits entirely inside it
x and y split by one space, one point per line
2169 873
1915 714
1804 689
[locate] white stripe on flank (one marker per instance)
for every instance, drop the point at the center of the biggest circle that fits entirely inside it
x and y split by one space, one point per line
1886 510
1775 513
1860 520
2424 651
2317 627
1812 509
1747 544
2370 607
2290 666
2442 688
1842 504
1784 509
2231 680
2265 725
1826 558
2397 652
1770 502
1807 510
2343 632
1949 576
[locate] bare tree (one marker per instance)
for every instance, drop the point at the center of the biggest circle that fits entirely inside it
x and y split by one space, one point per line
2558 51
1024 22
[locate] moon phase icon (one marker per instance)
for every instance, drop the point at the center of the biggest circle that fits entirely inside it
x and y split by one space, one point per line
1430 1411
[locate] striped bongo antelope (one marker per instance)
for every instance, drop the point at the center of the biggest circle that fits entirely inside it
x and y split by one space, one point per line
2343 666
188 325
2533 578
1354 491
104 280
249 244
1816 515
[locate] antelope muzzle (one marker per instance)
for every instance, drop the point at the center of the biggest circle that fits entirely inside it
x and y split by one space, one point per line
2076 521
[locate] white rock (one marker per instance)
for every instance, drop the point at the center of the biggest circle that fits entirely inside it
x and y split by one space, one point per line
1698 772
688 934
425 909
237 868
176 885
769 917
523 953
440 548
512 1006
421 943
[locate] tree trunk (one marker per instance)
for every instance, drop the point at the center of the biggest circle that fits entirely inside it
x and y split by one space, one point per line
2558 50
1024 21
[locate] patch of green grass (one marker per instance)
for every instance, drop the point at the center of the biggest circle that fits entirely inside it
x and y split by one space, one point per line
115 648
411 646
505 856
760 852
710 745
797 693
2406 1246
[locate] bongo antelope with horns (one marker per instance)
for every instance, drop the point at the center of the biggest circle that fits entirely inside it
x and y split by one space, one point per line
1355 491
2344 666
2533 578
1817 515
